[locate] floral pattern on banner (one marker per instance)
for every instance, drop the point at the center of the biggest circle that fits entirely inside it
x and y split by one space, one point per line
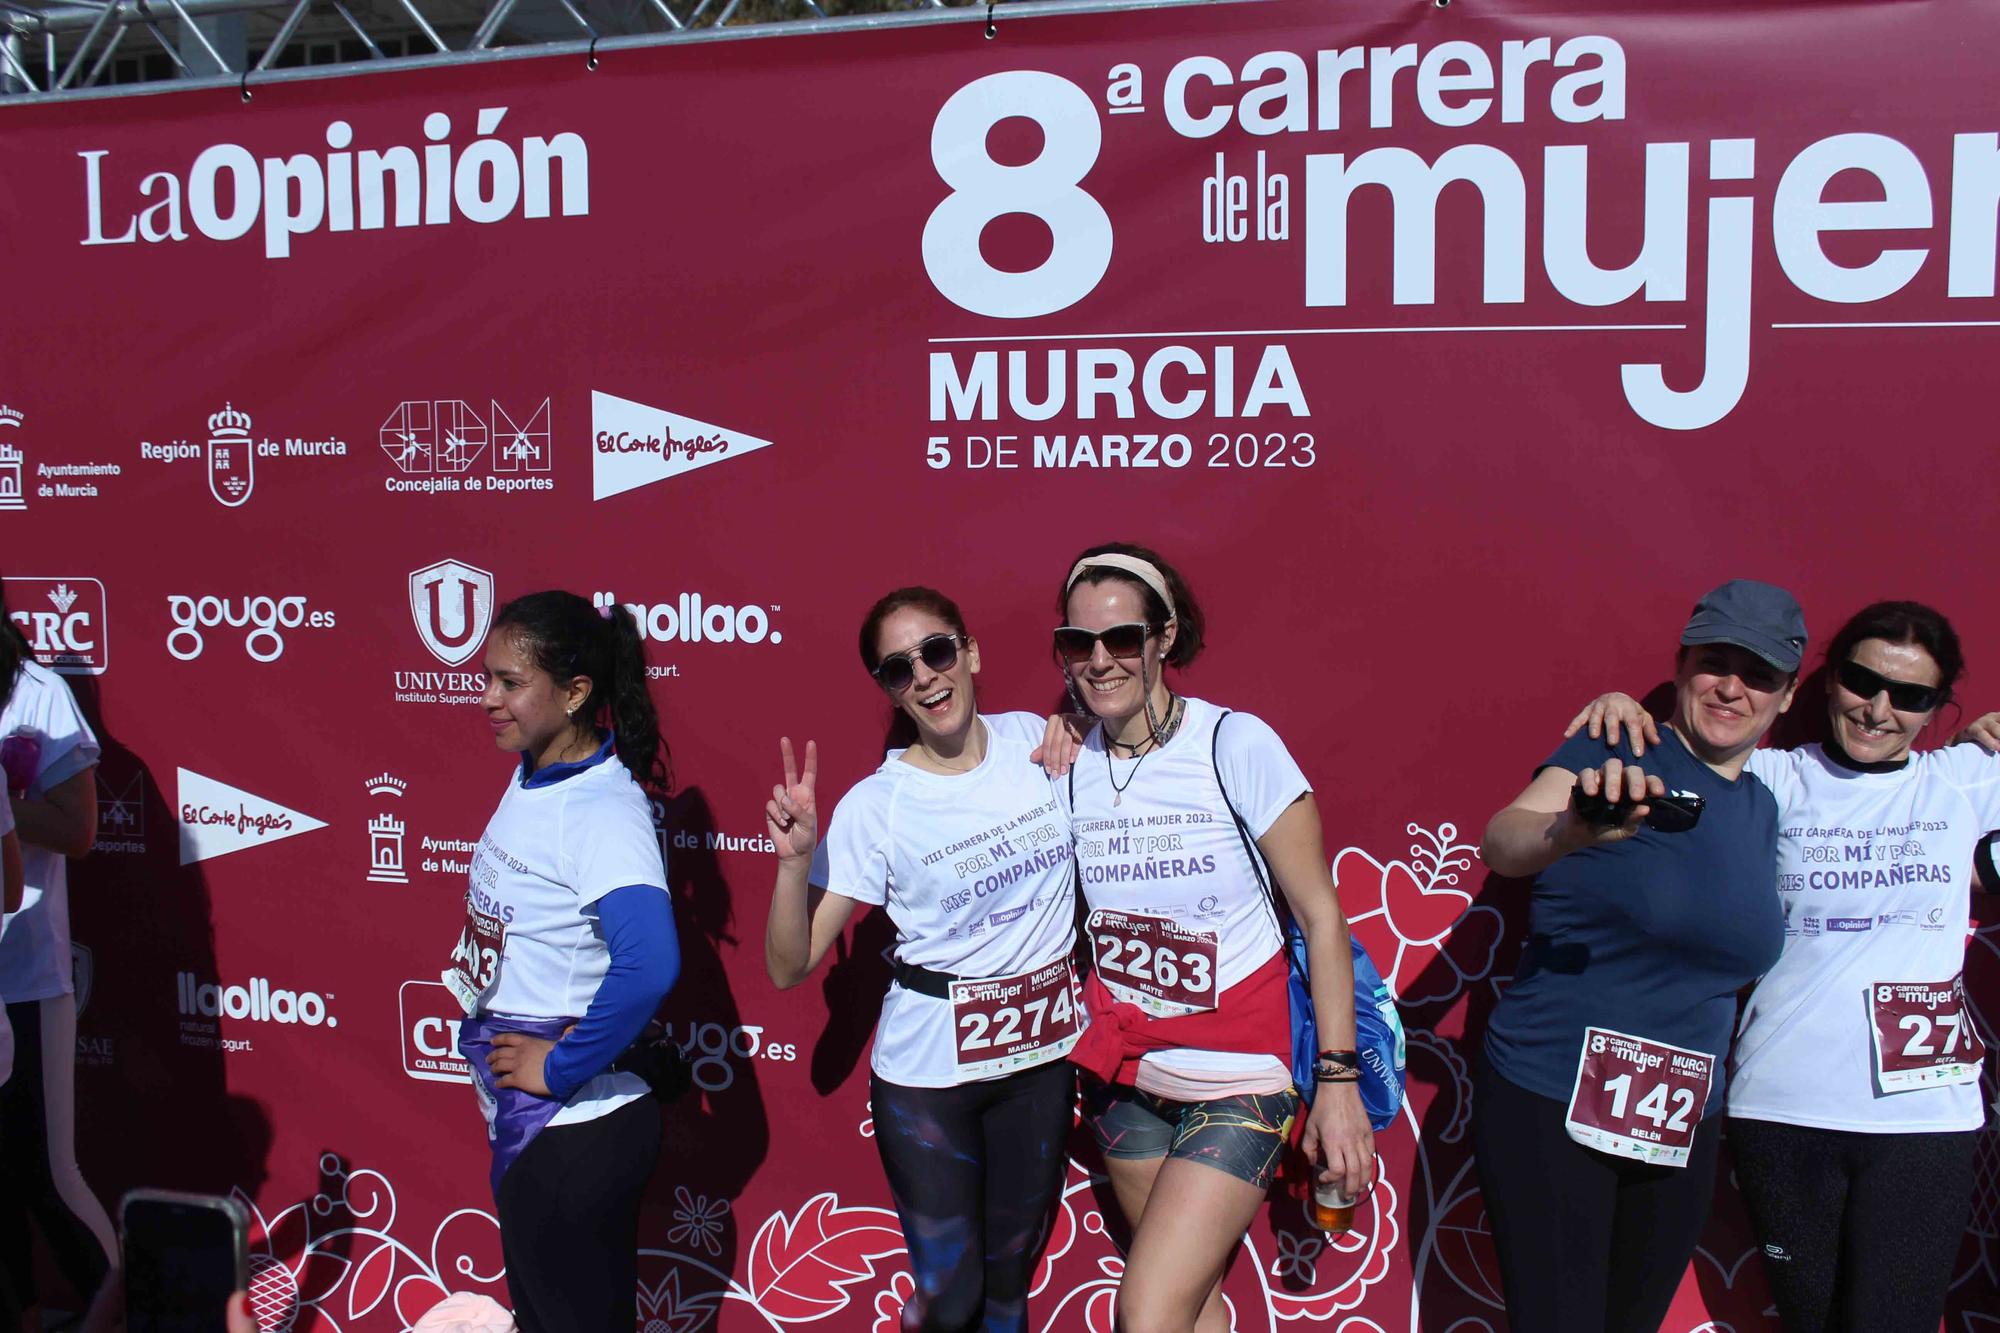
1419 1259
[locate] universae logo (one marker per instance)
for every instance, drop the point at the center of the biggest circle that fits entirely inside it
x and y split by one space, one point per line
452 605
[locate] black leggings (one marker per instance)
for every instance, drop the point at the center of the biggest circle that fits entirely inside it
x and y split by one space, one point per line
38 1173
1586 1240
569 1221
1860 1231
975 1171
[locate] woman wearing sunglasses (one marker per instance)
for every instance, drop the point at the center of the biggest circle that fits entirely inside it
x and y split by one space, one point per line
1854 1097
961 839
1191 1098
1655 902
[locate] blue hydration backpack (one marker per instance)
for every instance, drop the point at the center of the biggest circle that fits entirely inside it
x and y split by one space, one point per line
1378 1028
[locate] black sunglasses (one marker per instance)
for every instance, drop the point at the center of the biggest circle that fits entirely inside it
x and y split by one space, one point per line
897 671
1674 812
1074 644
1904 695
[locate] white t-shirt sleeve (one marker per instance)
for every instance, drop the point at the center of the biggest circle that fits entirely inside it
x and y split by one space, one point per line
1029 727
607 843
68 744
1779 770
1977 774
1259 773
857 845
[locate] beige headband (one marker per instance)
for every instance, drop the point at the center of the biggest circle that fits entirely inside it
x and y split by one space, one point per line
1143 570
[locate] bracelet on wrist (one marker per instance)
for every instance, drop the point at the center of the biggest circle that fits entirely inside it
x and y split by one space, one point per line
1327 1076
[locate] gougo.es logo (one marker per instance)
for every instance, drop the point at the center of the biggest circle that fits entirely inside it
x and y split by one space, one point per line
265 619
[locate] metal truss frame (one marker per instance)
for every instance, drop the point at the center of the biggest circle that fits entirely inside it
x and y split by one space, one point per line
23 25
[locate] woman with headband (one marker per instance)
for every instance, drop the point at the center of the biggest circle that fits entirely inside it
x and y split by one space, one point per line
567 948
1190 1092
960 838
1854 1097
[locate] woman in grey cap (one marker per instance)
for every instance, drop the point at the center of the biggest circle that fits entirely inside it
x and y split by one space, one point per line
1655 901
1854 1098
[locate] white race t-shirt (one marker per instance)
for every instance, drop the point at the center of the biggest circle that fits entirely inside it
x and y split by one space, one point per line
1875 873
34 951
976 871
1169 848
547 855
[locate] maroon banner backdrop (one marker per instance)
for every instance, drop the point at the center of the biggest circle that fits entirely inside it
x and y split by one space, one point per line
1452 352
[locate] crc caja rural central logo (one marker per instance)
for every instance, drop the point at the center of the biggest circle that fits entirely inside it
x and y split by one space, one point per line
63 622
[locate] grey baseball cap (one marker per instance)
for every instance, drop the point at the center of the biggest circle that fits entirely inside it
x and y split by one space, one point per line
1759 616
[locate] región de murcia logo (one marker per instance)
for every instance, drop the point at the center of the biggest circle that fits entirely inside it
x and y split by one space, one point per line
231 452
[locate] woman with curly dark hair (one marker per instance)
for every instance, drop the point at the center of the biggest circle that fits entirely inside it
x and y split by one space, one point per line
567 948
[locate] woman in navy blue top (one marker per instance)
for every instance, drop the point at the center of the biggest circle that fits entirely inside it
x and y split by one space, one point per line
1604 1060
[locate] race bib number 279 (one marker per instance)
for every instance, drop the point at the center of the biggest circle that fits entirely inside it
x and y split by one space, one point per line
1923 1035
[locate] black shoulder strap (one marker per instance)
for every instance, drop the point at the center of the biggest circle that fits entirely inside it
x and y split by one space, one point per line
1257 866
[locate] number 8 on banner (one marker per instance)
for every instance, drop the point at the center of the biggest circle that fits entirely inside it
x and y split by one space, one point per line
1048 188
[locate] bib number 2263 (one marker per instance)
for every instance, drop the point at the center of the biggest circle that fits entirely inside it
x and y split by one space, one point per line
475 959
1923 1034
1154 962
1638 1098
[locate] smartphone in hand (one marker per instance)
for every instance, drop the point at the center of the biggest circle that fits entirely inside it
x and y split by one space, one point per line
184 1254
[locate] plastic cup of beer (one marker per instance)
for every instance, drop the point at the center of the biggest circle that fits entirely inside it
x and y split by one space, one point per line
1330 1210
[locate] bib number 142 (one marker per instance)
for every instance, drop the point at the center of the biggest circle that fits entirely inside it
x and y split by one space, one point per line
1638 1098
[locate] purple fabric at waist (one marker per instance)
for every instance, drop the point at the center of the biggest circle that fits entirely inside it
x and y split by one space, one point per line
513 1117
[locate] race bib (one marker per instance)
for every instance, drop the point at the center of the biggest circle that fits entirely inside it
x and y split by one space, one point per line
1638 1098
1004 1024
1923 1034
476 957
1154 962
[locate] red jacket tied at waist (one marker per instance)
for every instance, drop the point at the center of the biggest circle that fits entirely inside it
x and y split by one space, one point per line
1254 1017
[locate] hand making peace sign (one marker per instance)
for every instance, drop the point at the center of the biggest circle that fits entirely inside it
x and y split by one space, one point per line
791 816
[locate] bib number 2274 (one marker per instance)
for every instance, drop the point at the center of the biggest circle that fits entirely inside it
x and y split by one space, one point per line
1005 1024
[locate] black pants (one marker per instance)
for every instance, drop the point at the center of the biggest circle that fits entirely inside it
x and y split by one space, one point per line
975 1171
1586 1240
38 1172
1860 1231
569 1221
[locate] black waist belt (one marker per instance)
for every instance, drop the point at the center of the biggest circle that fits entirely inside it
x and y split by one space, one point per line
922 980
